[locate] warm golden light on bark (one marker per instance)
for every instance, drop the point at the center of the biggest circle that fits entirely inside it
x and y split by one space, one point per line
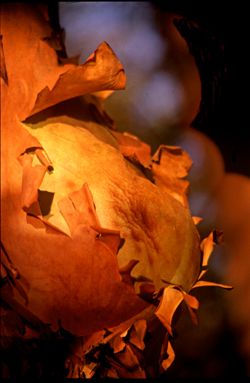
98 228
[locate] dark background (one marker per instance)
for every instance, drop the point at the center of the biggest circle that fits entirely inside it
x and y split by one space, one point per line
223 63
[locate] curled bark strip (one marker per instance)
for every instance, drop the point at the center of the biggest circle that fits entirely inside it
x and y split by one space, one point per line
166 363
173 295
33 174
197 220
171 298
101 71
170 164
110 238
117 344
207 246
137 334
131 147
214 284
78 209
192 304
44 159
32 179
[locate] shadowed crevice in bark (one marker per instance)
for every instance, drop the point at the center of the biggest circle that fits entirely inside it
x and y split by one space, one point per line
3 70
